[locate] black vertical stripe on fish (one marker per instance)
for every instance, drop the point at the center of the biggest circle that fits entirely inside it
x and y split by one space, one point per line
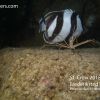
50 20
45 36
73 25
48 23
58 25
83 24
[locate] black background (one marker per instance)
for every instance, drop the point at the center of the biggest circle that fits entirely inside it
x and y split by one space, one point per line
19 26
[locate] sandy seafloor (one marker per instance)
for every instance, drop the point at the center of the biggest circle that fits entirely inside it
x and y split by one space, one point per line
48 74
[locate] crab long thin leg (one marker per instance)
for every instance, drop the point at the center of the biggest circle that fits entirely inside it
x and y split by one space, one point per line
84 42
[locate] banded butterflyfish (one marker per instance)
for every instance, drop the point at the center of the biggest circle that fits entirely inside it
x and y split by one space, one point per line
61 26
